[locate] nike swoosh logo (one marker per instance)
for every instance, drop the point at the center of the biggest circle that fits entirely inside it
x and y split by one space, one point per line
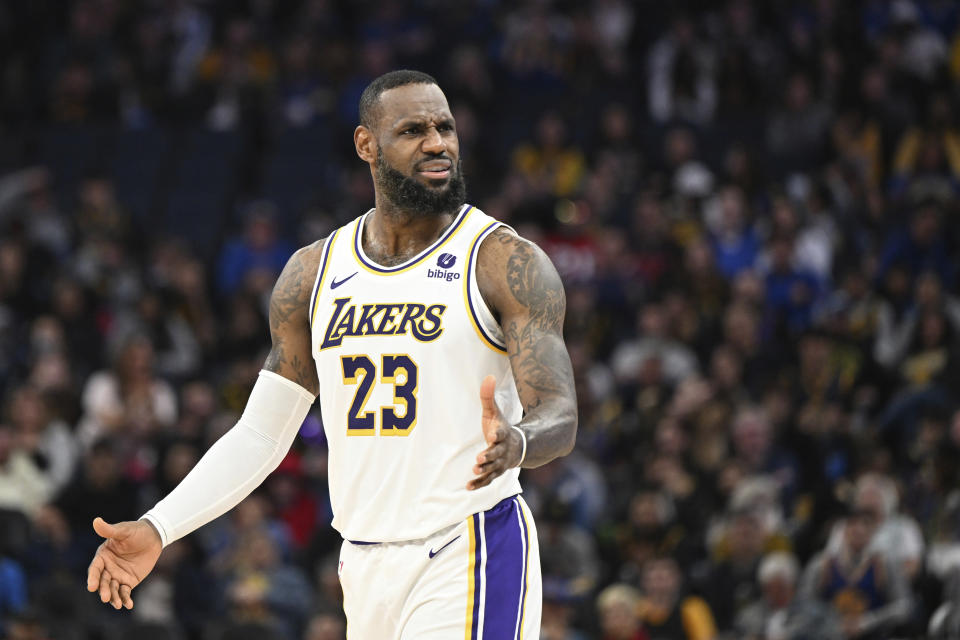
433 553
335 284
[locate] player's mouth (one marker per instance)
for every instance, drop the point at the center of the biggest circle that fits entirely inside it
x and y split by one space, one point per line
435 169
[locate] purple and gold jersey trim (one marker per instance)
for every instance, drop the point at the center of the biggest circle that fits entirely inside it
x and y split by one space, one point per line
484 335
364 262
318 287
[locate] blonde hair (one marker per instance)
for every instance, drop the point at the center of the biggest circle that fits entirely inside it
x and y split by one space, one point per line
622 594
778 564
882 485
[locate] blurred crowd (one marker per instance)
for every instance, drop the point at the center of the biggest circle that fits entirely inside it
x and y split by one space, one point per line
753 205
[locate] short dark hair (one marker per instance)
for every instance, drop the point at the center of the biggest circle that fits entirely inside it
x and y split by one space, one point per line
370 97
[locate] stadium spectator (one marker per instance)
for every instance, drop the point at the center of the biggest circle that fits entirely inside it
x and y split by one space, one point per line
100 213
653 344
651 530
568 555
779 613
702 277
618 606
728 581
128 401
23 485
176 349
755 447
253 261
260 587
897 537
45 438
667 611
653 247
867 591
303 95
233 76
190 291
797 134
852 310
549 165
293 502
100 483
73 307
791 291
857 139
681 85
919 247
689 177
734 241
617 150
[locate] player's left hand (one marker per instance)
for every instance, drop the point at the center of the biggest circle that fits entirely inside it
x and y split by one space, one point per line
504 445
128 554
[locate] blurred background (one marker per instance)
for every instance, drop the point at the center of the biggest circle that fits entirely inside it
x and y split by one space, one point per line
753 205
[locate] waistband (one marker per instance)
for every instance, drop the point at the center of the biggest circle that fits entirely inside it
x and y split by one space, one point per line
500 506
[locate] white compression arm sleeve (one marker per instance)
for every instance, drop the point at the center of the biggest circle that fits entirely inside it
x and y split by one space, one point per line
238 462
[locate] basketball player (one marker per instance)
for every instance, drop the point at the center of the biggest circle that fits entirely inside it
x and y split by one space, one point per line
435 335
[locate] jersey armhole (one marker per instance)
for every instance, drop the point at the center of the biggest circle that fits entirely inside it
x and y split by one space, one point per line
482 318
318 282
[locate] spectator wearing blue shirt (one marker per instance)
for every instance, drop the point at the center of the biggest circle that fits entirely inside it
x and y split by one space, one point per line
258 252
791 292
920 246
13 590
734 242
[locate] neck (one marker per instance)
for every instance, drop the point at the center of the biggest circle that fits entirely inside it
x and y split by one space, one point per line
855 557
393 235
664 601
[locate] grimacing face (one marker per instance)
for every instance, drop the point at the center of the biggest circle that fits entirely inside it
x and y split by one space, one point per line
414 151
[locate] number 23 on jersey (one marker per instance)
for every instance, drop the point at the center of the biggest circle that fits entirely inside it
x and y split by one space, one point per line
397 419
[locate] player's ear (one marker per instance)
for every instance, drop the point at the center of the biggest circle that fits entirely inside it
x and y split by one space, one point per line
365 143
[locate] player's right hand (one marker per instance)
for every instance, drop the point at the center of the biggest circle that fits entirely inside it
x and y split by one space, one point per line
128 554
504 445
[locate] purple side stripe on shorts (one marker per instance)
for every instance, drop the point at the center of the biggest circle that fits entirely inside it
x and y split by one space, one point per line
506 565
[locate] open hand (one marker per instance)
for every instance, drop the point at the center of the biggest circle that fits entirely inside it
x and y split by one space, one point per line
126 557
504 444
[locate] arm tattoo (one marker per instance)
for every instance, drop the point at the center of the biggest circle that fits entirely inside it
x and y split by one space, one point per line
290 354
288 293
535 288
533 325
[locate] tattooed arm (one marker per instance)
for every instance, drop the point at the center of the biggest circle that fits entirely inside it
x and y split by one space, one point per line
239 461
520 285
290 354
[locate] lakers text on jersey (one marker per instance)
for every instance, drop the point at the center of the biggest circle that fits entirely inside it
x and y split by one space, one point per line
400 353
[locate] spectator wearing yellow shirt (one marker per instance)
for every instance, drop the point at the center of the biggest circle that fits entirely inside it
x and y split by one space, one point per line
927 159
241 57
858 140
669 613
549 166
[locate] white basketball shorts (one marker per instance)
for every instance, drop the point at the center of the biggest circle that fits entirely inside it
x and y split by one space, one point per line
478 580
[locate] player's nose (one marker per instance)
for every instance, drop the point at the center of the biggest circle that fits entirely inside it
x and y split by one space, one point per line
433 142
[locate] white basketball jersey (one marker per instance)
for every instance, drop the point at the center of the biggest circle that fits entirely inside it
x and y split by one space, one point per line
401 352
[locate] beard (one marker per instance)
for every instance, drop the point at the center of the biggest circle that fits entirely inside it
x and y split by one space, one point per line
416 199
